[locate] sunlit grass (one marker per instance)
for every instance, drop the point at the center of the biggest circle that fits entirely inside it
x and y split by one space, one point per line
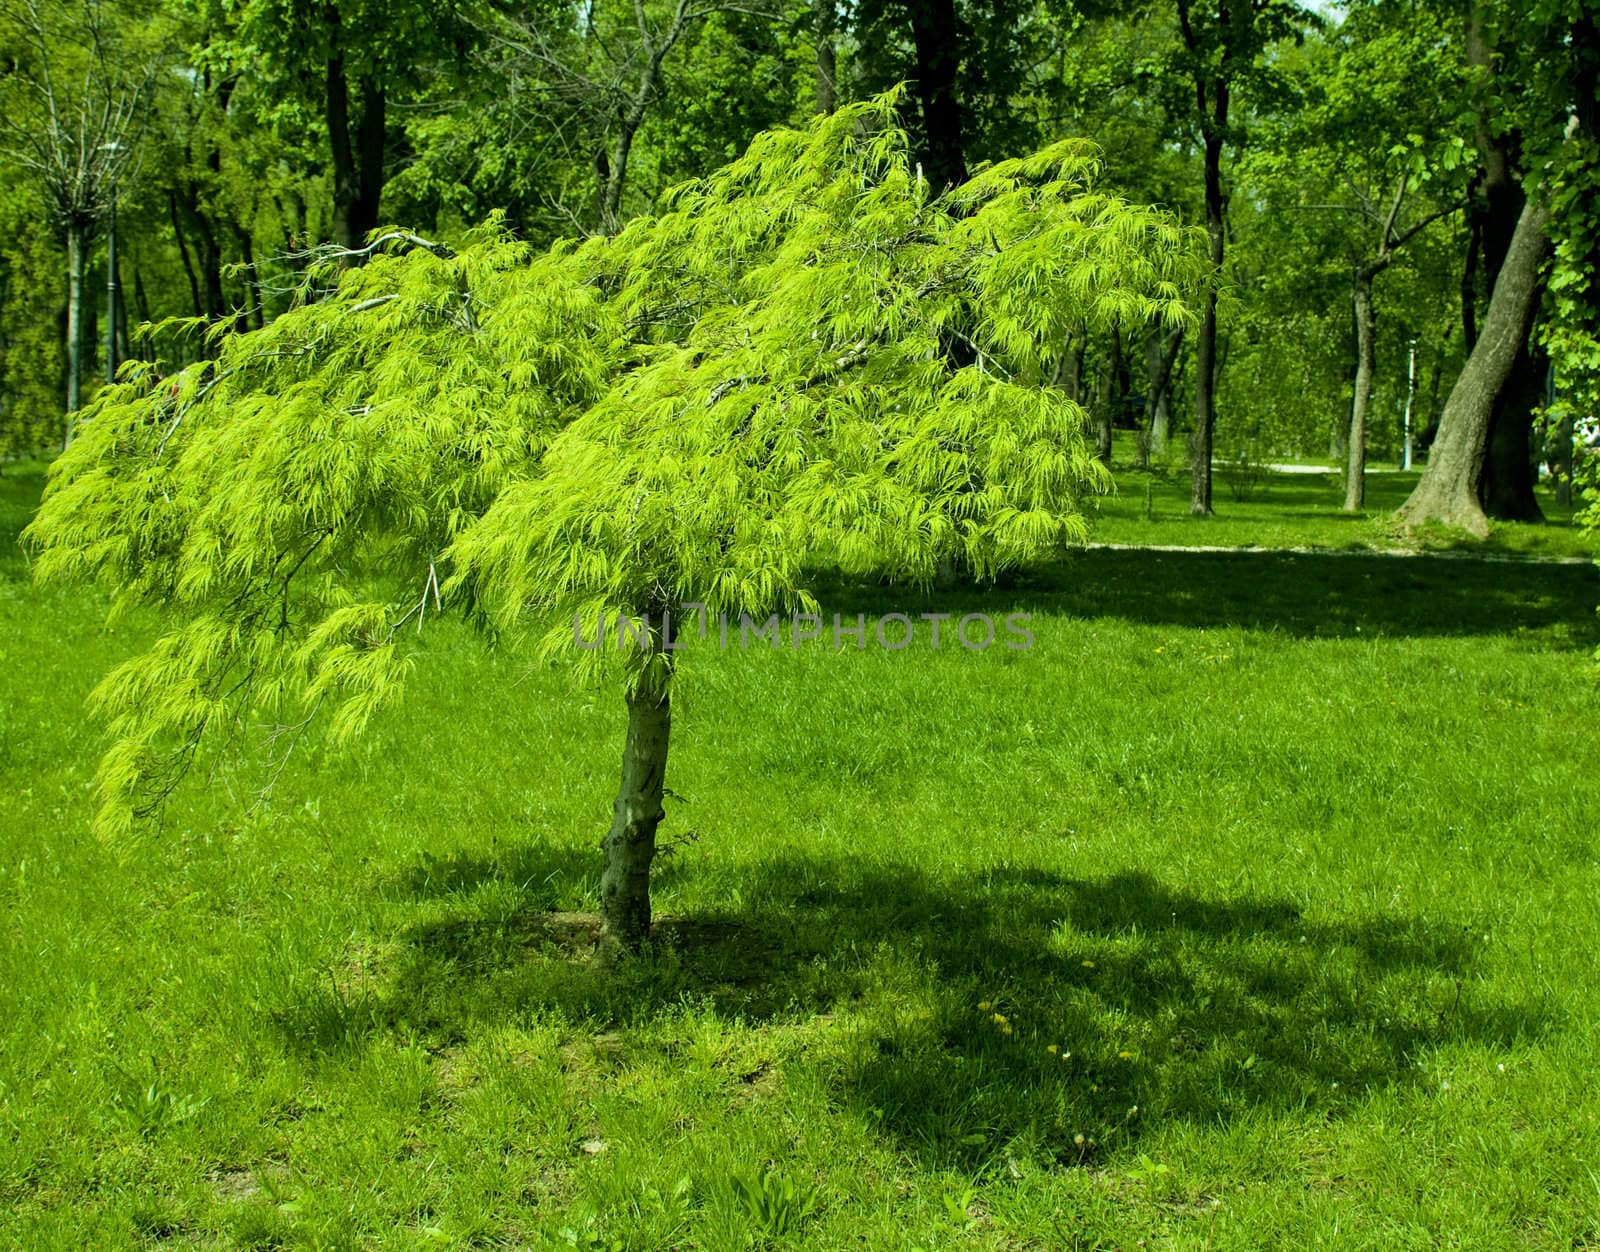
1279 873
1282 510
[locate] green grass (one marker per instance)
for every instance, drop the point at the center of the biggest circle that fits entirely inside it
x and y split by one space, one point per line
1305 511
1295 855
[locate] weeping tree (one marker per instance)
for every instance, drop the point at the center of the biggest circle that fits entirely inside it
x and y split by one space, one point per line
809 361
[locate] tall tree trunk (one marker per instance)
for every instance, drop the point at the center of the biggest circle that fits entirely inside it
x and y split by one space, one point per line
1160 355
630 844
936 35
77 264
371 134
1507 489
254 313
1205 364
356 146
1107 397
826 27
183 254
1448 490
1509 472
1355 477
209 254
1069 369
141 300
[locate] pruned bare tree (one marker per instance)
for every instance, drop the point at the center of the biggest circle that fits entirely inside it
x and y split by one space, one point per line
70 119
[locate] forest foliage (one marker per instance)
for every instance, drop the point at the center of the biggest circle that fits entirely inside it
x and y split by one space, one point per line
260 131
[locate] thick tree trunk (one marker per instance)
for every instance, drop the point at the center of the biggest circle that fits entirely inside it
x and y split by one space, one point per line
936 36
1448 490
1355 476
1205 364
77 263
1507 488
630 845
356 146
1509 474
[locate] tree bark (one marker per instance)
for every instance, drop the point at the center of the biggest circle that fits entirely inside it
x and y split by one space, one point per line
1205 365
1355 477
613 174
1507 488
936 36
1069 366
356 146
1509 472
183 254
1448 490
254 312
630 844
827 21
1107 398
77 263
1160 355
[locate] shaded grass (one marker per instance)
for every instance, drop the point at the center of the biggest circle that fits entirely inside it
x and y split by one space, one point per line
1294 856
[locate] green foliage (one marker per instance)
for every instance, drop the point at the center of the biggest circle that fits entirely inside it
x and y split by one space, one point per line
774 1203
32 355
805 363
259 493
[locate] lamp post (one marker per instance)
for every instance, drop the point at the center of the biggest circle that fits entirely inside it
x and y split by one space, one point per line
111 266
1411 392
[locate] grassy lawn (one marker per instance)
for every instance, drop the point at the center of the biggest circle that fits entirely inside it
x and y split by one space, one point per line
1281 871
1303 510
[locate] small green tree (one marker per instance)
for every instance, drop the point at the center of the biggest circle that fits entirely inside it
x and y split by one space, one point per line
808 362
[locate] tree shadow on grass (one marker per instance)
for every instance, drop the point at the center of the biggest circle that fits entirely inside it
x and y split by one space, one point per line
1122 1002
1304 595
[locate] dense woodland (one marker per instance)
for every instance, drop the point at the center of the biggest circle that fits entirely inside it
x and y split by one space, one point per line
1360 170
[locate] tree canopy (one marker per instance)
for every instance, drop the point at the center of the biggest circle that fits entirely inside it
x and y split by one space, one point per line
809 361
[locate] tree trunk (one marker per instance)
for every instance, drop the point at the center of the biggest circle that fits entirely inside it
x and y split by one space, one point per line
77 262
356 146
1160 354
253 315
1448 490
1106 398
1507 488
936 35
1205 364
1355 478
630 844
1069 366
827 21
1509 474
183 254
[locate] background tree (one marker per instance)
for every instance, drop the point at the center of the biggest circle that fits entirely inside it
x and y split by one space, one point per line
1367 148
71 108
